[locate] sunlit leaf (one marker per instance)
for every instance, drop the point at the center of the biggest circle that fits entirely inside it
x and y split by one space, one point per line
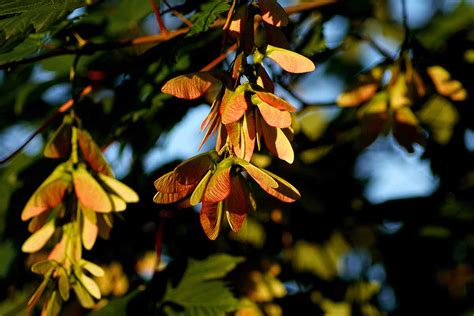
277 143
398 93
211 217
89 228
89 192
49 195
190 86
275 101
192 170
357 96
90 285
289 60
92 268
122 190
234 105
285 191
218 187
37 241
198 192
273 116
273 13
92 153
260 176
249 134
445 85
237 204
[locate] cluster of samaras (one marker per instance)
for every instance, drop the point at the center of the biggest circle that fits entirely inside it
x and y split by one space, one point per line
386 96
244 114
70 209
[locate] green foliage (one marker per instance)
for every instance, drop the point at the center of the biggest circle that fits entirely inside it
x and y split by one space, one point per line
18 18
198 290
207 14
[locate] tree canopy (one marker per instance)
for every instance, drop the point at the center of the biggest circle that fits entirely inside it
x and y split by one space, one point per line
231 157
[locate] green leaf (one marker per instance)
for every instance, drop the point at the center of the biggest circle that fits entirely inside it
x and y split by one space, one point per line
22 17
199 293
207 14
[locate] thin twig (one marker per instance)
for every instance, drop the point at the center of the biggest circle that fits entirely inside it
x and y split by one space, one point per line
159 20
219 58
63 108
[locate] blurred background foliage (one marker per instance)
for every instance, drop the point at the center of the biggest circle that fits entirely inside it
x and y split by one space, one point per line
378 230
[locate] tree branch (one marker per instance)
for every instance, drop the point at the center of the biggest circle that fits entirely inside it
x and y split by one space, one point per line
91 48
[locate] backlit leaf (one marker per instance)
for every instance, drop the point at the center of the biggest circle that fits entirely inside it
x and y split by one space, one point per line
92 268
92 153
249 135
49 195
289 61
90 229
275 101
277 143
210 218
285 191
122 190
273 13
234 105
189 86
445 85
192 170
357 96
273 116
260 176
237 204
218 187
37 241
398 93
89 192
198 192
90 285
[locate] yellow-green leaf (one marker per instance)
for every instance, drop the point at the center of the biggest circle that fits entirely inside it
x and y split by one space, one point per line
198 192
37 241
122 190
